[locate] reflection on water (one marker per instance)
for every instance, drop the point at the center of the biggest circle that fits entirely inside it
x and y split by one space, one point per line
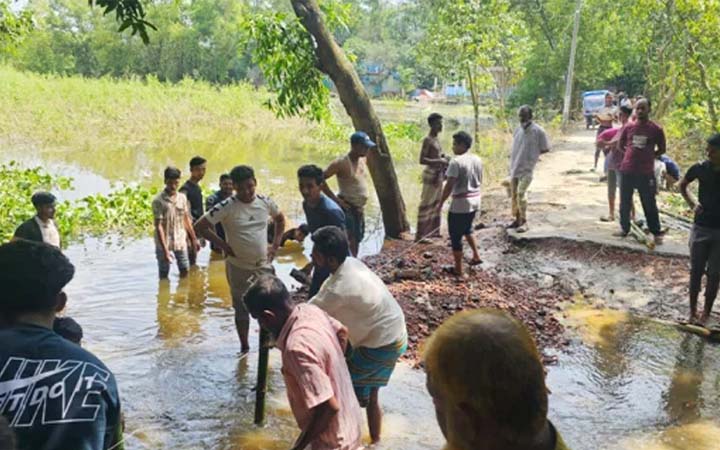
632 383
174 350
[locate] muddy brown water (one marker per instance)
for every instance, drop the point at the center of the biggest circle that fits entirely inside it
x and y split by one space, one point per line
624 383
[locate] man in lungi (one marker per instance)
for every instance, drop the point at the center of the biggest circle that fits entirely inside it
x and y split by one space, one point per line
431 156
359 299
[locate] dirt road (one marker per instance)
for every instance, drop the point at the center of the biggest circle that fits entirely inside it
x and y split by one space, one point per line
566 201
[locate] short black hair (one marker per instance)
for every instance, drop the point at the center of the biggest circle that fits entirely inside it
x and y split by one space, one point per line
526 107
311 171
32 274
42 198
172 173
267 292
197 161
434 117
463 138
225 176
68 328
714 141
241 173
331 241
626 109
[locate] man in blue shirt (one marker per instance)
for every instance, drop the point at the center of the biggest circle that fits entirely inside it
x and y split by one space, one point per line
320 211
54 394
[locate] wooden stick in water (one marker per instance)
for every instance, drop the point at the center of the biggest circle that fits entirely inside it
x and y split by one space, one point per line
263 356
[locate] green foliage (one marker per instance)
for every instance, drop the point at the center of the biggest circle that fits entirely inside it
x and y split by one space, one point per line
404 130
199 39
129 13
283 50
13 27
125 211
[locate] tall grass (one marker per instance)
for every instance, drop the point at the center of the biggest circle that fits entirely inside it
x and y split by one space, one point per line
128 130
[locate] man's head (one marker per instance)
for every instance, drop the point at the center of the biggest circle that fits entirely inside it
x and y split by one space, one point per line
197 168
69 329
487 382
226 184
525 114
642 109
310 182
33 276
44 203
268 301
608 99
435 121
625 113
243 178
330 247
360 143
172 179
461 142
713 149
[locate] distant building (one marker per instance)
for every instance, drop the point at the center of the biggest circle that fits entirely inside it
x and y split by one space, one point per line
379 81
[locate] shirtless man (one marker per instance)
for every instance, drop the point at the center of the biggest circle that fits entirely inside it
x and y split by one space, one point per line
353 192
428 224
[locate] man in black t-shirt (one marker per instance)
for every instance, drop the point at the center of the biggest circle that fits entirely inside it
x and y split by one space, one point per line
54 394
705 235
226 191
193 192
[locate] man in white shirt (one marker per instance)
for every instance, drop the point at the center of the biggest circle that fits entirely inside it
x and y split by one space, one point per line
529 142
359 299
244 217
41 227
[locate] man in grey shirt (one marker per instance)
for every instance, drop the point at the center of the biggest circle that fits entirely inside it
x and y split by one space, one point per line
529 142
464 179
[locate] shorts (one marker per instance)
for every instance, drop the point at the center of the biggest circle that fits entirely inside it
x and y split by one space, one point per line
181 258
240 281
459 225
355 223
705 248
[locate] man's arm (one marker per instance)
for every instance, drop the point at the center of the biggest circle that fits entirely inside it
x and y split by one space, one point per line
661 145
544 143
191 232
160 232
684 183
279 230
424 159
320 417
204 228
447 190
332 170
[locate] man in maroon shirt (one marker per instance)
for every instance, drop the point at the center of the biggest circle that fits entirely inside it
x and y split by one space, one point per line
642 141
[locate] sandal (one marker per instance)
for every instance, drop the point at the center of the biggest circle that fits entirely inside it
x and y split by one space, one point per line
474 262
607 219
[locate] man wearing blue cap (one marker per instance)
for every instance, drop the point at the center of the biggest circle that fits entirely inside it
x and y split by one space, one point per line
353 193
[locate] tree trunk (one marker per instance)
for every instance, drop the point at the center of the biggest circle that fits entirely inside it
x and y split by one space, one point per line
333 62
472 79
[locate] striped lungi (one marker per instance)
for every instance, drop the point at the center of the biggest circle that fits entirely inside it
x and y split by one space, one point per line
372 367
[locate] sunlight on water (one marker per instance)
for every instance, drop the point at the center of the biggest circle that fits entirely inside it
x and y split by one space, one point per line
703 435
596 326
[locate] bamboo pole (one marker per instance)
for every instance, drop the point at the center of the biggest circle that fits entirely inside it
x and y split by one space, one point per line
261 390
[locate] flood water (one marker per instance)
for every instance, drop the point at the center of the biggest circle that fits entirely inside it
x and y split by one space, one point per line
625 383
